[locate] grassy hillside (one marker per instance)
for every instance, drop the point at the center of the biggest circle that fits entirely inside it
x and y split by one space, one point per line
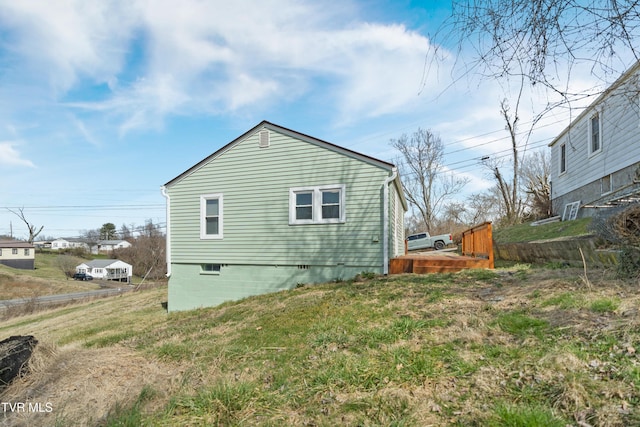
512 347
46 279
528 233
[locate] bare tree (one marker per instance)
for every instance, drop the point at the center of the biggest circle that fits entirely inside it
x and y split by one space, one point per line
91 238
125 232
509 188
32 228
481 207
535 172
543 40
67 264
147 253
425 183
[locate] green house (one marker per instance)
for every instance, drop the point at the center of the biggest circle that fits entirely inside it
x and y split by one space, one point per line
276 208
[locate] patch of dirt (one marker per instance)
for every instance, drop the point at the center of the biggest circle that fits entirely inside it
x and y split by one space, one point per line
78 386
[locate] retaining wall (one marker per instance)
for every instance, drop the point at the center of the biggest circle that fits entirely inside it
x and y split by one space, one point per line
563 250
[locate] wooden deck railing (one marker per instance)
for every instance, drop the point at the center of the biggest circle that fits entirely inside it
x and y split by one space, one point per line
478 242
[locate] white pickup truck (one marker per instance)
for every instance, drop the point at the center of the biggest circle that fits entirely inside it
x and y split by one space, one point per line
424 241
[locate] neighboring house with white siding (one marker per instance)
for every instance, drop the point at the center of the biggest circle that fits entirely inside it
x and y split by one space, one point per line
596 159
68 242
111 245
276 208
107 269
17 254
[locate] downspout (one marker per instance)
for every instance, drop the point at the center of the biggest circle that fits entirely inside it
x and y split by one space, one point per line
385 220
163 190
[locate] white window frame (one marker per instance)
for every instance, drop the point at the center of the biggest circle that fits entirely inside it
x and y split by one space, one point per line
316 204
203 216
563 159
210 269
597 114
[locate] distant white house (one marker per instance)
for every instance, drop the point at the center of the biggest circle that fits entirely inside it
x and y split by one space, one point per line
107 269
68 242
110 245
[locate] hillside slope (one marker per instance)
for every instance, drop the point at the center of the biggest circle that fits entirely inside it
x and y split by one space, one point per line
509 347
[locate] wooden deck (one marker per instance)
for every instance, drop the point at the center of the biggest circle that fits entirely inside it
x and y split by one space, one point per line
437 262
477 252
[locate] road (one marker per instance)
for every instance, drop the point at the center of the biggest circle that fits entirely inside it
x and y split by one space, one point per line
49 299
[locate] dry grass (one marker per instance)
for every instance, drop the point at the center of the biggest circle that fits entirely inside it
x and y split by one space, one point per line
81 385
22 286
407 350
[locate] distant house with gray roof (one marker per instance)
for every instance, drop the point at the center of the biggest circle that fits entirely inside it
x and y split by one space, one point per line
107 269
110 245
68 242
17 254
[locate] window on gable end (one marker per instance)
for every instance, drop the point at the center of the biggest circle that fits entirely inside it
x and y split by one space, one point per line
211 219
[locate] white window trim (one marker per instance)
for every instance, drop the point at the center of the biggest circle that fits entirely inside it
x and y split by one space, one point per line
203 211
317 205
217 272
590 142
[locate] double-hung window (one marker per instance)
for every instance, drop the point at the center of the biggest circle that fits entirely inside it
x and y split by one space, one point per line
323 204
211 216
595 134
563 158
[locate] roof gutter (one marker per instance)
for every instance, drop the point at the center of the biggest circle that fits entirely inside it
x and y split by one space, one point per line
163 190
385 220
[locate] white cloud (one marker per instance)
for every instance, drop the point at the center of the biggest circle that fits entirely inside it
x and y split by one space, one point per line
10 156
208 56
69 40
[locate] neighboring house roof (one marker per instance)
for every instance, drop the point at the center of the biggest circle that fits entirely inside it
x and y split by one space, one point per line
633 69
71 239
112 242
15 244
102 263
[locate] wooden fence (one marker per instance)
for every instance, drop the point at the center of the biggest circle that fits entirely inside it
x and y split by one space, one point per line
477 242
477 248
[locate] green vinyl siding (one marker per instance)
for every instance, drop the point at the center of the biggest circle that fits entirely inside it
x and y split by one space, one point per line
255 184
260 251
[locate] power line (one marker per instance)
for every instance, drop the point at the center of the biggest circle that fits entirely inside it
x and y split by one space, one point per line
86 207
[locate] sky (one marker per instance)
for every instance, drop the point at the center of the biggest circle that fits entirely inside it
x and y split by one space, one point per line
103 102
